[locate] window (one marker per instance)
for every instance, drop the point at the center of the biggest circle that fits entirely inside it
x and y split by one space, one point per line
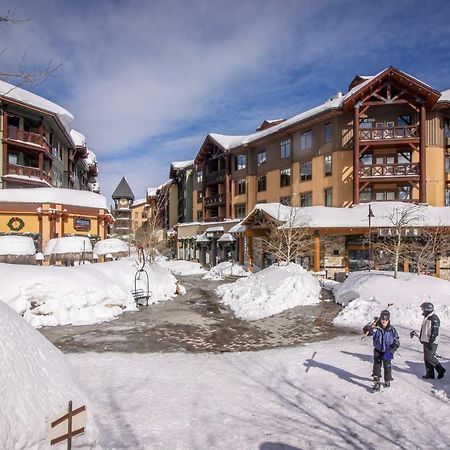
262 183
285 149
403 124
239 211
447 195
239 187
306 199
240 162
12 158
404 157
306 170
328 197
366 159
404 193
261 157
306 140
447 128
199 196
285 201
199 216
327 164
366 194
327 133
447 163
384 196
285 177
199 176
366 123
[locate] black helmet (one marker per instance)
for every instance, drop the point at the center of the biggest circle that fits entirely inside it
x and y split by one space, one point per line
427 308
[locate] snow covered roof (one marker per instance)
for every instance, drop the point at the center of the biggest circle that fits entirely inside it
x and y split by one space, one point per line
54 195
214 229
182 164
68 244
238 228
356 216
445 96
151 192
17 245
78 139
112 245
9 91
139 202
202 238
226 237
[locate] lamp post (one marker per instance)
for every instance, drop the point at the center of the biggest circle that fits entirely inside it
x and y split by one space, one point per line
370 215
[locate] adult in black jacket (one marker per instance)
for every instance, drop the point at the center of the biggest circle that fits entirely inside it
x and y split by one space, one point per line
429 338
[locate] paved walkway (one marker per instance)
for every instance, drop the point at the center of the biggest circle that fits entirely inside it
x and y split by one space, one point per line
197 322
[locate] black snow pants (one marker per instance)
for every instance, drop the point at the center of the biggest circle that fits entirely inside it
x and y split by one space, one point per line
378 361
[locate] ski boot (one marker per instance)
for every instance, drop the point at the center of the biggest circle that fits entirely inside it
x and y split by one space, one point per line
387 384
376 384
440 370
430 372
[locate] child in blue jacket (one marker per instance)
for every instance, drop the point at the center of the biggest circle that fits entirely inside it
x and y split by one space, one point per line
385 343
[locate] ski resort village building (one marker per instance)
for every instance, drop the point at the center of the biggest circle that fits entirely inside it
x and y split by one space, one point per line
48 175
386 140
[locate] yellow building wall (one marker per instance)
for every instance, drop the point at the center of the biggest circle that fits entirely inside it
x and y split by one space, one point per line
31 221
435 176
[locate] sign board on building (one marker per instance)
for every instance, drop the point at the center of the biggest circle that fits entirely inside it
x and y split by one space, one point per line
406 232
82 224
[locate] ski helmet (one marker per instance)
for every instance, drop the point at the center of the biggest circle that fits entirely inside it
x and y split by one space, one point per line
427 307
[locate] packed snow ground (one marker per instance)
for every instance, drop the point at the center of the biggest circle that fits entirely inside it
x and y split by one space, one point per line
315 396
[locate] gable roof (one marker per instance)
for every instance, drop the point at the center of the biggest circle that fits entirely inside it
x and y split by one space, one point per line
123 190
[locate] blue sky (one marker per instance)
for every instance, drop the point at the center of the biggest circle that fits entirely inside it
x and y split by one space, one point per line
147 80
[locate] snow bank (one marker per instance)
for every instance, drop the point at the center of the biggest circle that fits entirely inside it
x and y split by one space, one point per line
181 267
36 385
17 245
112 245
226 268
270 291
81 295
365 294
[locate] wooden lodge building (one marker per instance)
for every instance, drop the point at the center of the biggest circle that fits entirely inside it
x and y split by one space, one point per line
387 139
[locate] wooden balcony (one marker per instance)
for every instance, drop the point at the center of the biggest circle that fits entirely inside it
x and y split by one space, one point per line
216 200
390 135
34 172
383 171
216 177
28 138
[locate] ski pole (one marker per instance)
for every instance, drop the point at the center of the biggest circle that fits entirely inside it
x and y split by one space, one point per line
413 333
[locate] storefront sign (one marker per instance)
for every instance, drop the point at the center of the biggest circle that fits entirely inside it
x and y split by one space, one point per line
82 224
406 232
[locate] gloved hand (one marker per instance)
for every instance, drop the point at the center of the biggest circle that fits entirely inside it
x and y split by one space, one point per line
388 356
430 346
412 334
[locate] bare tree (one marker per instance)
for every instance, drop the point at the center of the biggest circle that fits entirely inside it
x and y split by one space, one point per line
432 243
151 236
395 239
289 238
23 74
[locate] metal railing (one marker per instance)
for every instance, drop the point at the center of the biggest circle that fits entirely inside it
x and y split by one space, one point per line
215 200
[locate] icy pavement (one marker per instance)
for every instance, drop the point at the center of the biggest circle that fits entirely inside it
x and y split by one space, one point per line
197 322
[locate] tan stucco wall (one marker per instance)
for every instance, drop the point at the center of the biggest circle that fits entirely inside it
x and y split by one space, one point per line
435 176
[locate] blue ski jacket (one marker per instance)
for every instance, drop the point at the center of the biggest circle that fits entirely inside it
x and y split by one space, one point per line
385 339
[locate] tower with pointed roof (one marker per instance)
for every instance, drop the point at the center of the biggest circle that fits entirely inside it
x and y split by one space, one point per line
123 200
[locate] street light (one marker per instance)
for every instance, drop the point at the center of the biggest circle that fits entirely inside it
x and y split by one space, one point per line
371 214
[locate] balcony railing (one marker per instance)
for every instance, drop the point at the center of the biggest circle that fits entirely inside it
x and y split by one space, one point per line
216 177
28 137
389 170
405 132
215 200
35 172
